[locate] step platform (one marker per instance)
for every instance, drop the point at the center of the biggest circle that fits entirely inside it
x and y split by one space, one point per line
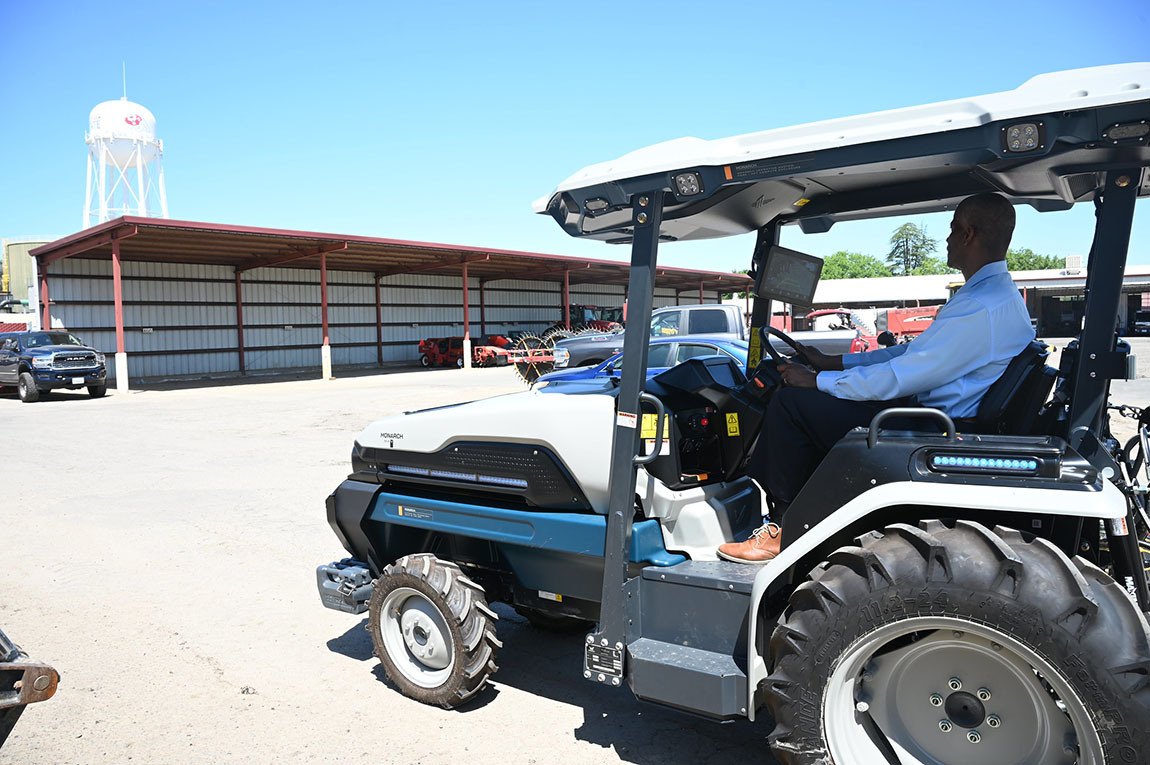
686 638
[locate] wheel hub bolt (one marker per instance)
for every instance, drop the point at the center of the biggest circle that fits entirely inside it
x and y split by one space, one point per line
945 726
973 737
935 700
955 684
993 721
983 694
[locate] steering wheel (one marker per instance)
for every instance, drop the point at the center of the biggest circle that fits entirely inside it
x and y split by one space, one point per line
775 355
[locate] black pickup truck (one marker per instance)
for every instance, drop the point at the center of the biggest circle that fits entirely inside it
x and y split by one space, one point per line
37 362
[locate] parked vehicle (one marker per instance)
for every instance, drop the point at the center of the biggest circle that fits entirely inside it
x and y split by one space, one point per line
969 594
664 352
38 362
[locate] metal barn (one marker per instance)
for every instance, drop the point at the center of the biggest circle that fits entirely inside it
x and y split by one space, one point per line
175 299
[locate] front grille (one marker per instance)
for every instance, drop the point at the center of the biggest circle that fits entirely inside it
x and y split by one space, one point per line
74 360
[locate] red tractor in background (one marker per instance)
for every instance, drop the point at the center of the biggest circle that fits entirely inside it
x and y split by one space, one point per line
486 351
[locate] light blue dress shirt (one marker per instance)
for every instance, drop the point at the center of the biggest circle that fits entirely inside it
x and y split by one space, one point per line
955 361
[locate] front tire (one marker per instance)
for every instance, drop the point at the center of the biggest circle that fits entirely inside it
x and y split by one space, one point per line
954 643
26 387
97 391
424 360
433 631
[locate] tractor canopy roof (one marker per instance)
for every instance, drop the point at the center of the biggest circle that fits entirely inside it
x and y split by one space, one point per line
1048 143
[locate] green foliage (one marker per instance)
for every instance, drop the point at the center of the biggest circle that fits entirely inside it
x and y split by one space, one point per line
1025 259
929 266
909 245
852 265
729 295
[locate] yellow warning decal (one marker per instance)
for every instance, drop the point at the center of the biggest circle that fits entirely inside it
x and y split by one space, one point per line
756 351
732 424
648 427
801 202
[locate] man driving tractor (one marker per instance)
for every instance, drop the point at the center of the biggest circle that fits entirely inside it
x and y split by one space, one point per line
949 367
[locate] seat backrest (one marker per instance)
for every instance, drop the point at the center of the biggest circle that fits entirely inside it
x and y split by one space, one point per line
1012 403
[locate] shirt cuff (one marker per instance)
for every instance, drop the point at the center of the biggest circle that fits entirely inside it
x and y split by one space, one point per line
825 381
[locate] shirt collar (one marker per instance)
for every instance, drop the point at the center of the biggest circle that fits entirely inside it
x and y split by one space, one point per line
987 271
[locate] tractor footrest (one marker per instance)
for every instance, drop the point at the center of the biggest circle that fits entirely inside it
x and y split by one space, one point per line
702 682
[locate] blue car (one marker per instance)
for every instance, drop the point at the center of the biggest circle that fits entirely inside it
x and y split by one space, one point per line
664 353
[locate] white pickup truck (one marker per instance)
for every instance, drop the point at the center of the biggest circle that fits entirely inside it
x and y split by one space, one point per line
706 319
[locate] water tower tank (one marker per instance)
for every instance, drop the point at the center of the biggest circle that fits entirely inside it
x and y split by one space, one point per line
124 126
125 163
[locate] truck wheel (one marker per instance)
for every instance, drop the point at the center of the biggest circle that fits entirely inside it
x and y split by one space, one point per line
97 391
557 623
954 643
433 630
424 361
26 387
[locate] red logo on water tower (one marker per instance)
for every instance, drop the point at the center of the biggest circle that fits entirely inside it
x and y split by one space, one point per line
133 119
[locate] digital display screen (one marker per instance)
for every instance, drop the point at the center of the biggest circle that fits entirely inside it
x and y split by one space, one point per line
789 276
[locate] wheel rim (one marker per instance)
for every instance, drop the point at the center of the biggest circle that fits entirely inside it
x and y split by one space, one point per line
941 689
417 637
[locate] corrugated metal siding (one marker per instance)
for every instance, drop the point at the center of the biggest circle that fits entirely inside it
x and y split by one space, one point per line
191 312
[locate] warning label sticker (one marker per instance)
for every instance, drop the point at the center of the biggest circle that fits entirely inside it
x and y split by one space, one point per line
732 424
626 420
415 512
756 351
649 422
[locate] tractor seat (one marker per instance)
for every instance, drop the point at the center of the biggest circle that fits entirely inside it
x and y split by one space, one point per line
1012 403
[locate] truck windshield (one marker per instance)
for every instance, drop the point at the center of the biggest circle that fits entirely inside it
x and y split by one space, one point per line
39 339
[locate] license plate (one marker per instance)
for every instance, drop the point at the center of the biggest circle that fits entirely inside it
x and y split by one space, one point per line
77 380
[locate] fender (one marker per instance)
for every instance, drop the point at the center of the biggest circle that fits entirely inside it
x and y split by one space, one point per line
1108 503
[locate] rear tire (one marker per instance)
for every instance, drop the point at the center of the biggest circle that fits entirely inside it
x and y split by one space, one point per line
433 631
26 387
97 391
871 645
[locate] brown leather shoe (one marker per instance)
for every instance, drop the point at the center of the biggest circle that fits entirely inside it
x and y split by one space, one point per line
762 547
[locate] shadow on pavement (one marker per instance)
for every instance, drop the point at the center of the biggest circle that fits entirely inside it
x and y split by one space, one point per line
550 666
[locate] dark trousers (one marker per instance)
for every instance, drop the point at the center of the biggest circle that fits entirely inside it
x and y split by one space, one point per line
801 426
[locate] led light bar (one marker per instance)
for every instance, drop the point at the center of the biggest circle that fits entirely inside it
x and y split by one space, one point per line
451 475
407 470
984 464
497 480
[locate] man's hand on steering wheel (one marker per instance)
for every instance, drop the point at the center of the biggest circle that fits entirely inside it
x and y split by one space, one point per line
798 376
819 361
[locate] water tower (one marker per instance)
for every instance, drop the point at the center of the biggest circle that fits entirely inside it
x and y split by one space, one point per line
125 169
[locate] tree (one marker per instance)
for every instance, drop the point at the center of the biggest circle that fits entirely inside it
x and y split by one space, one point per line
1025 259
931 266
909 245
852 265
729 295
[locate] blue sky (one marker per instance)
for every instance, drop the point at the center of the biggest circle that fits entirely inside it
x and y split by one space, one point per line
443 121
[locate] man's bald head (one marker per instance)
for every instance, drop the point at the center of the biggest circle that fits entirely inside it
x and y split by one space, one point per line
992 219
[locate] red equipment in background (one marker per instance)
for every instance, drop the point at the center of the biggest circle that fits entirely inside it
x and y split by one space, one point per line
486 351
908 323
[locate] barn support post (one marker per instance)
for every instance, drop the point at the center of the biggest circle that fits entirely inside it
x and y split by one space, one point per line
45 312
118 299
466 323
483 306
325 349
700 292
567 299
240 321
378 324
